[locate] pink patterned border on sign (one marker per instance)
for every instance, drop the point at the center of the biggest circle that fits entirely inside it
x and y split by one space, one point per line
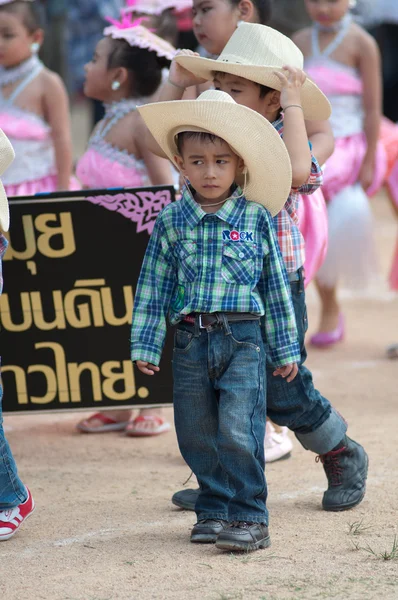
141 207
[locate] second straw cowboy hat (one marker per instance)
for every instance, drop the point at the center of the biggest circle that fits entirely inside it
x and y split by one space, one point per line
251 136
255 52
7 155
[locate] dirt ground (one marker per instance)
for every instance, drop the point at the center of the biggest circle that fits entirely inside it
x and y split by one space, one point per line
105 529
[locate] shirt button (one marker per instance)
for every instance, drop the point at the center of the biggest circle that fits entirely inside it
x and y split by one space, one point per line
241 255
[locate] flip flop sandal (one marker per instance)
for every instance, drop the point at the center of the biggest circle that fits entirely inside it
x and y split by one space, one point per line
109 424
161 426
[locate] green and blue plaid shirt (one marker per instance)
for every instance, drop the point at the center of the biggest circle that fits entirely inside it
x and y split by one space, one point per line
201 262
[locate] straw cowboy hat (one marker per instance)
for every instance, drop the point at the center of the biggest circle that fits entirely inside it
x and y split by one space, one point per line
251 136
255 52
7 155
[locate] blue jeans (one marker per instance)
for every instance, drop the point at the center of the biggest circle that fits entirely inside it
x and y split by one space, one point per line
219 413
298 405
12 490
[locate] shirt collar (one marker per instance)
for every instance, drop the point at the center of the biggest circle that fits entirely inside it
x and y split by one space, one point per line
278 123
230 212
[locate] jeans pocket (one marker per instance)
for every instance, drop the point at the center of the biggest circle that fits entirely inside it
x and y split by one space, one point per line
186 251
240 263
183 340
247 335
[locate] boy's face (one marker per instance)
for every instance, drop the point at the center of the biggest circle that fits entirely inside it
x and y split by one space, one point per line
247 93
211 167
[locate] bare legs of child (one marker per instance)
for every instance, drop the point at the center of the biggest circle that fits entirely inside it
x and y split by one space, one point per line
331 327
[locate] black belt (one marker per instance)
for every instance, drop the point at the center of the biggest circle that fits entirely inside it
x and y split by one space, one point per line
209 319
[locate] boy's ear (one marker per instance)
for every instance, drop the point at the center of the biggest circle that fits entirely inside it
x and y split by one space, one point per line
180 162
242 169
246 11
273 100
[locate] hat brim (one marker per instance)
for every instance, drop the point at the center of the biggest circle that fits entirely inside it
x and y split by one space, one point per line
316 106
251 136
4 210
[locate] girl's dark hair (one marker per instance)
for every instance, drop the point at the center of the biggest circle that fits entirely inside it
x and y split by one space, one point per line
263 8
28 11
144 67
201 136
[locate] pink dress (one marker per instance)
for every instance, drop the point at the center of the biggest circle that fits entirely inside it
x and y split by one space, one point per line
389 137
351 255
34 168
105 166
313 223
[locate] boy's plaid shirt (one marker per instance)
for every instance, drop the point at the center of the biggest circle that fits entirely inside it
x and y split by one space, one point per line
291 242
3 248
199 262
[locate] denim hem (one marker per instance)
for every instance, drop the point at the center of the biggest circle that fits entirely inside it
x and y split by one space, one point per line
249 518
212 515
327 436
10 506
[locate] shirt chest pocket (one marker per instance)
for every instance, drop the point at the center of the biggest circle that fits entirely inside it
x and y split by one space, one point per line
241 263
187 260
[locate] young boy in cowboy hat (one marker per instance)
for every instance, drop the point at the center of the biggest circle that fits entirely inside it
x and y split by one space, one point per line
214 268
262 69
16 502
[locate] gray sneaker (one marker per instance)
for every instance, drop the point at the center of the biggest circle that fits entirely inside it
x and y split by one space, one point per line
207 530
346 469
240 535
186 499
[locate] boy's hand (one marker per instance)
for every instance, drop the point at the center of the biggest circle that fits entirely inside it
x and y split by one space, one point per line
292 80
147 368
288 372
180 77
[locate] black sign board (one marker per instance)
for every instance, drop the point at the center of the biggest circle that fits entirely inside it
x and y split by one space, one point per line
65 313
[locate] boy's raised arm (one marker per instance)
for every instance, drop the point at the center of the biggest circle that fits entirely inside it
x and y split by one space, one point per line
321 136
175 88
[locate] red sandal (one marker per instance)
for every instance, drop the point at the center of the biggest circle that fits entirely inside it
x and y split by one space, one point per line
109 424
133 429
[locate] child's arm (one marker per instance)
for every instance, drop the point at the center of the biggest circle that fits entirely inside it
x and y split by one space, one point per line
175 88
280 320
152 299
56 110
369 67
320 135
159 169
294 131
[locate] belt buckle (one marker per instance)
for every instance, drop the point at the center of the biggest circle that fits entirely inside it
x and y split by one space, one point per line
201 326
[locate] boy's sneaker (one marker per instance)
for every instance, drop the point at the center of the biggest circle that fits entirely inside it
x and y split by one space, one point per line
12 518
207 530
277 445
240 535
346 469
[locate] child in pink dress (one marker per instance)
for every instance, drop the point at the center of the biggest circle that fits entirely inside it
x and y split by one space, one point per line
34 111
125 72
344 61
160 15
